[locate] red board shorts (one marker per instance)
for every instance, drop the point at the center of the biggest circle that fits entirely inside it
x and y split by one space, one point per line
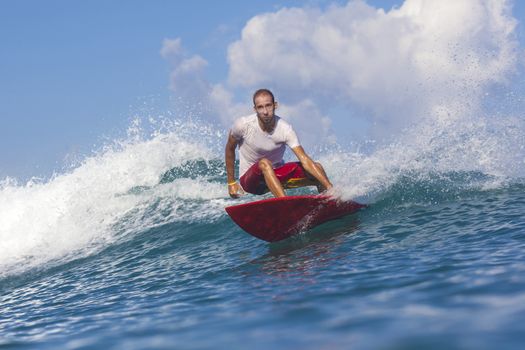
291 175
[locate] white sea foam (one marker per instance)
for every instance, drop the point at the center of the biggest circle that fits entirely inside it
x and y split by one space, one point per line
490 146
80 211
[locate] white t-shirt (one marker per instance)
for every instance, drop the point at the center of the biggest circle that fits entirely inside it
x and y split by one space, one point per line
255 144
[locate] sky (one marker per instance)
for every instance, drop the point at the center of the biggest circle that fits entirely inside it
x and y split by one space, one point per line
74 74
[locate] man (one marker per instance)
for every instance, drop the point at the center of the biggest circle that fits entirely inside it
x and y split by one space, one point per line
262 138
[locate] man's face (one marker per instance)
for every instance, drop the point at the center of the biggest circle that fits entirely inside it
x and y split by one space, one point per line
265 108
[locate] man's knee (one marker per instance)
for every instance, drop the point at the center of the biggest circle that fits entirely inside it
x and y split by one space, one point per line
265 165
319 165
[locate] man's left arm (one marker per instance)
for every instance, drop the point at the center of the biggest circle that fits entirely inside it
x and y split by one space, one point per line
310 166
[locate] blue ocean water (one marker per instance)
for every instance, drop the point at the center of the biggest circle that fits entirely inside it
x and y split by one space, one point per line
132 249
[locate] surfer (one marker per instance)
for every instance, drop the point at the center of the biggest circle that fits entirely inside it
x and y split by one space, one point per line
262 139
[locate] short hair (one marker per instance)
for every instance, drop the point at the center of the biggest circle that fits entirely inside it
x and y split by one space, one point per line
262 92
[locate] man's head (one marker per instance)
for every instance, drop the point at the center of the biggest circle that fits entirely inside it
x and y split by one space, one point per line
262 92
264 104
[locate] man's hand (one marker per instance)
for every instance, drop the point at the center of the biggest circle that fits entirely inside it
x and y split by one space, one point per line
235 190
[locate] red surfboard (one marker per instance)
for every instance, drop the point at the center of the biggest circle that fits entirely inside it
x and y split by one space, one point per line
275 219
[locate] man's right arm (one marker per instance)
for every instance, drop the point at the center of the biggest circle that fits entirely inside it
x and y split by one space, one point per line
229 157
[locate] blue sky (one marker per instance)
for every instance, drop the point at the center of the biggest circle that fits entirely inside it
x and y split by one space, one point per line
73 73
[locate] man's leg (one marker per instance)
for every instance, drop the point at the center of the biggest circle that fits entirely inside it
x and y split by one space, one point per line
299 177
320 188
270 178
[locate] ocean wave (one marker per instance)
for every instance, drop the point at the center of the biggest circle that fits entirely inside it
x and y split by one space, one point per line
76 213
178 175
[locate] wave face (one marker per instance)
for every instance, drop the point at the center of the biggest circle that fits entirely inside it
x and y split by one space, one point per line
110 195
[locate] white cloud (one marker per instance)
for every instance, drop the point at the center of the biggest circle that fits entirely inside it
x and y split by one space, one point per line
426 57
171 49
226 109
311 124
187 77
